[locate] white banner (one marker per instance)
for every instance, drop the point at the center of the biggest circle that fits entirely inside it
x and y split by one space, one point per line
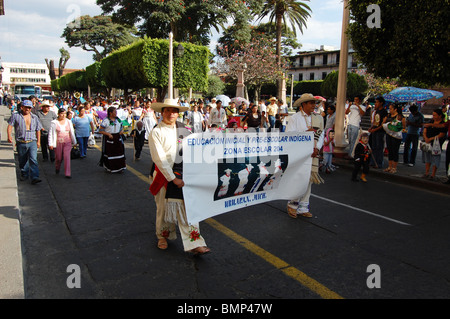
224 171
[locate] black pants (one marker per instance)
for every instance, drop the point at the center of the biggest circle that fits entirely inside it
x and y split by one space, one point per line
44 148
393 146
407 156
357 166
138 149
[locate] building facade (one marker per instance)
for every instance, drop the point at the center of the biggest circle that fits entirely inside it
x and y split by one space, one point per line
18 73
316 65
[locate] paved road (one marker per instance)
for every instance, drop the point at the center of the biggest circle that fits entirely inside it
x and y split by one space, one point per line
104 223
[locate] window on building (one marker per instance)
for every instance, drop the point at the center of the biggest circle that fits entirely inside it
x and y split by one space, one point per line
324 75
313 60
301 61
300 77
311 76
325 59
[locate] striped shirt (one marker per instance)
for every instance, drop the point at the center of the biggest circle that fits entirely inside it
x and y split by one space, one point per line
22 134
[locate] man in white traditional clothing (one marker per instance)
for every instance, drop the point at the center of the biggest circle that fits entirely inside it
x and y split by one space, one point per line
167 180
225 179
263 173
303 121
243 179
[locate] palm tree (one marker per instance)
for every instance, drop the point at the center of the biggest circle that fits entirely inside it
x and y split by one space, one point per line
280 11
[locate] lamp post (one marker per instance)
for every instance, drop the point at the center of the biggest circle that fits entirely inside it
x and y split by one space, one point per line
179 51
340 142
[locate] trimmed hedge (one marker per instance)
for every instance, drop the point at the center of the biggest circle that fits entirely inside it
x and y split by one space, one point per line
145 63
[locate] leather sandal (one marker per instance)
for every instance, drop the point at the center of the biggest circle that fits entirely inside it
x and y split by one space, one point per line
162 244
200 250
306 214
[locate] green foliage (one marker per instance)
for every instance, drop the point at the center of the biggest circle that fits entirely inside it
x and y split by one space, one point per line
94 77
412 43
215 86
55 85
75 81
313 87
190 21
145 64
356 84
89 33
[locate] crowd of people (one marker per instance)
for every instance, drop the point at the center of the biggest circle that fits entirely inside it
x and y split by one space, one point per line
56 127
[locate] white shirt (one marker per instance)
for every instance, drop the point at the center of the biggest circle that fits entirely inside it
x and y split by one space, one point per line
301 122
262 107
354 117
163 148
217 117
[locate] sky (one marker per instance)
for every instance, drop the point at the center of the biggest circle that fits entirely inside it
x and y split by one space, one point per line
30 30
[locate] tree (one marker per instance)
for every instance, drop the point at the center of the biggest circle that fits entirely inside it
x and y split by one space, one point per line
281 11
412 43
51 68
260 60
94 33
215 86
190 21
234 36
356 84
65 56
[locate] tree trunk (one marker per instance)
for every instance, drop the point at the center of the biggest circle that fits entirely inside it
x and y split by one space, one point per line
51 68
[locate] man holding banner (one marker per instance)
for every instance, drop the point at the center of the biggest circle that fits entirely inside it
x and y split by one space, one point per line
165 148
303 121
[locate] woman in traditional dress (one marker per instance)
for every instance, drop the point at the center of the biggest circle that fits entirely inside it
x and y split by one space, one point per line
113 150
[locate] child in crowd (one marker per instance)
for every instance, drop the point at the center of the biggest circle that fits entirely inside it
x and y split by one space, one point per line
328 148
138 135
361 158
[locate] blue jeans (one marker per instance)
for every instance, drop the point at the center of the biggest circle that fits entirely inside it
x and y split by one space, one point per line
271 123
83 143
352 133
28 163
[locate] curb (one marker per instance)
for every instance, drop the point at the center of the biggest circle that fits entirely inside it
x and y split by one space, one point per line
11 274
398 178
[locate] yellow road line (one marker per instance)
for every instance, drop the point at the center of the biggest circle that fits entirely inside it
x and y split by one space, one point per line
278 263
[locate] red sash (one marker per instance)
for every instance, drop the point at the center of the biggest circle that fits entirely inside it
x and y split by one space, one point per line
158 182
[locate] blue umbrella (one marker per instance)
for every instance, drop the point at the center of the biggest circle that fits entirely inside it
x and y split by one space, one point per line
411 94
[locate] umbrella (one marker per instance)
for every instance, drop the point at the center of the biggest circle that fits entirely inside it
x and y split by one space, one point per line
225 99
238 100
320 98
411 94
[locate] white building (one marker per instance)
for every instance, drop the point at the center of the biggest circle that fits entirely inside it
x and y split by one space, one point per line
316 65
15 73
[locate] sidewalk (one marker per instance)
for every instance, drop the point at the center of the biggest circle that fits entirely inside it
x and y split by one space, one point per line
11 271
411 176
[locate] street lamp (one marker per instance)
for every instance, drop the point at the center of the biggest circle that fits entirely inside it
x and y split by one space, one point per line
179 51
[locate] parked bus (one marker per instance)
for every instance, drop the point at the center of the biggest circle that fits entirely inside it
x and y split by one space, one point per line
23 92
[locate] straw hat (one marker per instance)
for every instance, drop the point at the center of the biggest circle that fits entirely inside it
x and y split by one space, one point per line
273 98
305 98
158 106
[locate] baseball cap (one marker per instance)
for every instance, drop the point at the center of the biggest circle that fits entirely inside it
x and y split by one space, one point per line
27 103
